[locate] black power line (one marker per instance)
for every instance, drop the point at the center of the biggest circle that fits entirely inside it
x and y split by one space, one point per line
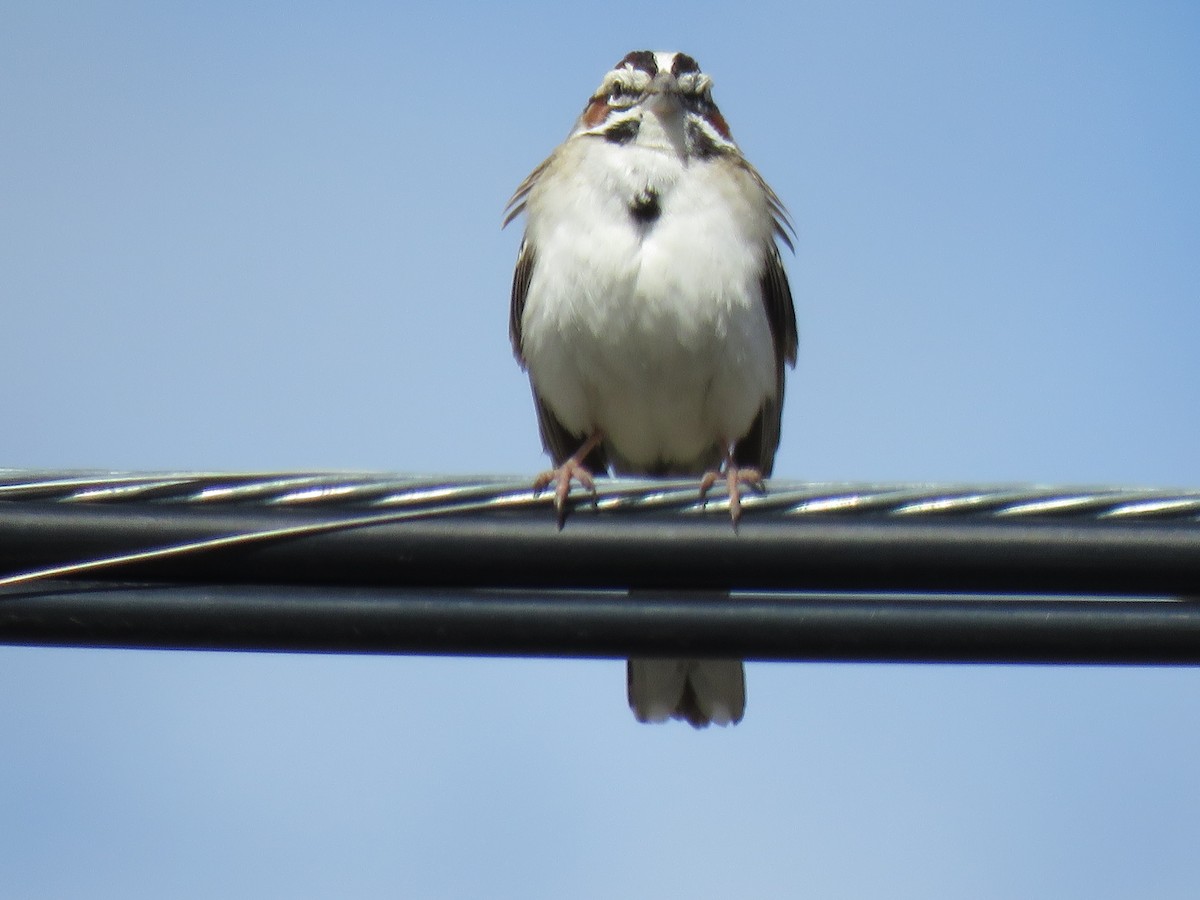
372 564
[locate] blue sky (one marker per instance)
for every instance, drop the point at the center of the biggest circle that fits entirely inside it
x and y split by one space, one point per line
268 238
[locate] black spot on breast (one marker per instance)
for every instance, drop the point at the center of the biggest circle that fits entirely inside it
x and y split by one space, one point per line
645 207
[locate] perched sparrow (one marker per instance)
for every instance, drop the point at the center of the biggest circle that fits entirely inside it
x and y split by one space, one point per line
652 312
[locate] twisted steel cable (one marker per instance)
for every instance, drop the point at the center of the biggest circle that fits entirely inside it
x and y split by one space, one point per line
442 495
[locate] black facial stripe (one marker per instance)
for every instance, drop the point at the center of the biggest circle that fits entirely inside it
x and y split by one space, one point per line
699 143
698 104
642 60
622 132
684 64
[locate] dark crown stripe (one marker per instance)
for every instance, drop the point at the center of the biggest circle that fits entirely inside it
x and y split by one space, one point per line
643 60
684 64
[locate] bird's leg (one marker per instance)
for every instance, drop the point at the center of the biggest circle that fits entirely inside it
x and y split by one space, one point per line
572 468
734 479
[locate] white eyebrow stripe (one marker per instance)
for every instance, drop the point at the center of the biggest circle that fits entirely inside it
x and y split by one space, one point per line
629 79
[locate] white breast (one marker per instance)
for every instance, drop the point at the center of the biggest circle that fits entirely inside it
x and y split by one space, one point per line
655 333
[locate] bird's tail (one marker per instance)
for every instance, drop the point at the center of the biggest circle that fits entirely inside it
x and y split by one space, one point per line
701 691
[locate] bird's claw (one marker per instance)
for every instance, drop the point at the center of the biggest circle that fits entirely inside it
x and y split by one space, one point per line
561 477
734 478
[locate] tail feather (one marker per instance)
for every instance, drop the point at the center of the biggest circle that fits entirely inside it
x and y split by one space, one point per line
701 692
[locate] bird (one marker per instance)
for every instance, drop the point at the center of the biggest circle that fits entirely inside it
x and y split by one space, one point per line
652 312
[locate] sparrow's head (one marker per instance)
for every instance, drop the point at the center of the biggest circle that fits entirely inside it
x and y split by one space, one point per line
666 85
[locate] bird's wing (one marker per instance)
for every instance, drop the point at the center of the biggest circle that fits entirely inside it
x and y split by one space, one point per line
520 290
758 447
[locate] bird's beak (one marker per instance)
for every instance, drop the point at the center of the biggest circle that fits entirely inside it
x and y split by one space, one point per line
663 95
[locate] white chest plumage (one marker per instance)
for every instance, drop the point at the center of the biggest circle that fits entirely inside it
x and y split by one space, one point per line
654 332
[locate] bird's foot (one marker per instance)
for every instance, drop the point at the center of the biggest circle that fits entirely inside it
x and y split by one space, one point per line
561 477
735 478
572 469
